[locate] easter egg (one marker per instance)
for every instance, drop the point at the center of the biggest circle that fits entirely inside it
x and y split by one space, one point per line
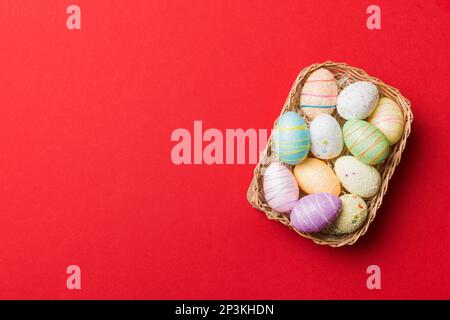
315 212
356 177
388 118
319 94
357 100
326 137
352 216
291 138
365 141
314 176
280 187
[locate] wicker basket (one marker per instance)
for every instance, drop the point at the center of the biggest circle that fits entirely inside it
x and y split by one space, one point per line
344 75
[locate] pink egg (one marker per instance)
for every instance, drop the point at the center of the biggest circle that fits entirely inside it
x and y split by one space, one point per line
280 187
315 212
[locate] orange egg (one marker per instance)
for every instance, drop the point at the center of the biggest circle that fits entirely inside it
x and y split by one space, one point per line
314 176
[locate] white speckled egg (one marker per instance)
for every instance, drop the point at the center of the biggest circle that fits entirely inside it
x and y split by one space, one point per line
357 177
326 137
357 100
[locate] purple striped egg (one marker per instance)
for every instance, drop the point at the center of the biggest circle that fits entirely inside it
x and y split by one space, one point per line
280 187
315 212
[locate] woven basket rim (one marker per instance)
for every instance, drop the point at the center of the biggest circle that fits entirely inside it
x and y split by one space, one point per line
343 72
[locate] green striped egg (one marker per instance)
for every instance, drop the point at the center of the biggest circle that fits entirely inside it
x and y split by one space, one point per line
291 138
365 141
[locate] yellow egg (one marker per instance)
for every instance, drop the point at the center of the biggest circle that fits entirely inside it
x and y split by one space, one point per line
315 176
388 118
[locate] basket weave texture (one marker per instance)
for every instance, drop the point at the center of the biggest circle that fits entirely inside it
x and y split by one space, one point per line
344 75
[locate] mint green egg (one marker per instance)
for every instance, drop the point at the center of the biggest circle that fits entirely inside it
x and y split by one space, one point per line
365 141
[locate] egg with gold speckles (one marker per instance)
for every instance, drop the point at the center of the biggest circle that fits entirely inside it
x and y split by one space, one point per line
388 118
319 94
326 137
352 216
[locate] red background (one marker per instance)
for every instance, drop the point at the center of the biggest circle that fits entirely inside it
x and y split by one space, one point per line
86 176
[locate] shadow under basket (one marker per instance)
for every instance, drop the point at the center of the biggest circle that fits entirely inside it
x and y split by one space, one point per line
344 75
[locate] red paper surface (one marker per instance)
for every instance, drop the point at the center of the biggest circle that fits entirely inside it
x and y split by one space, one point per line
86 176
